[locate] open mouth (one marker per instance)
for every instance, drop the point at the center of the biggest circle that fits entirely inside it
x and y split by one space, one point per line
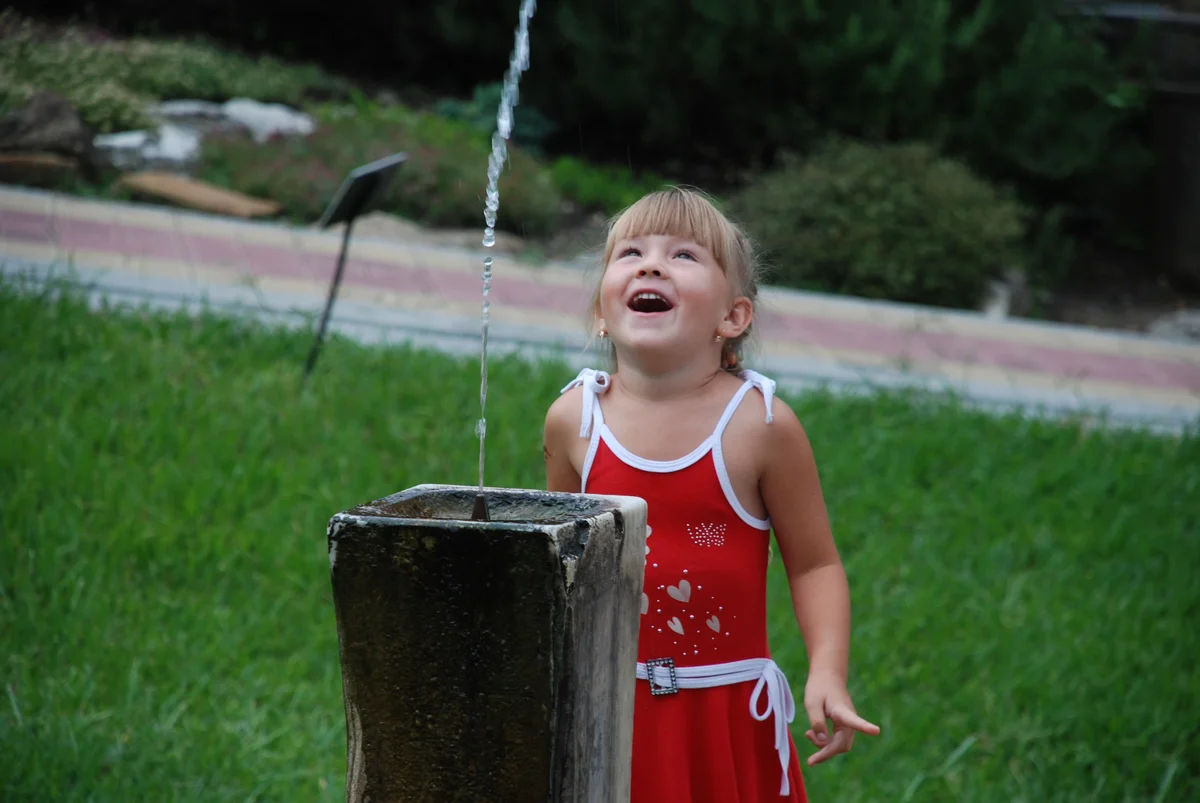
649 302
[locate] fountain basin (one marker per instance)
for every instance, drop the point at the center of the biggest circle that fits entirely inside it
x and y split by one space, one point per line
488 660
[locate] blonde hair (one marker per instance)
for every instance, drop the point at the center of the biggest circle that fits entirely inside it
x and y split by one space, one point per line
690 213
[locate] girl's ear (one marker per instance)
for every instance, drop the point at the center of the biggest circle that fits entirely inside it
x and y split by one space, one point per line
738 319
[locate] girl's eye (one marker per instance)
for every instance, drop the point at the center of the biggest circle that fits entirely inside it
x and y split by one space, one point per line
630 252
687 254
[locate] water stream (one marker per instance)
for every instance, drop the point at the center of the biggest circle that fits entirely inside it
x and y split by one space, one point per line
518 63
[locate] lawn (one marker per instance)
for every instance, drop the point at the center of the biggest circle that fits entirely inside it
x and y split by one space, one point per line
1026 601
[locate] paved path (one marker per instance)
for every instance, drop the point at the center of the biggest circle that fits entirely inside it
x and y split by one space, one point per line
430 295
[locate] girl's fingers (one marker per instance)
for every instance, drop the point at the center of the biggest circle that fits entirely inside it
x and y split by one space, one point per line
816 719
842 740
849 719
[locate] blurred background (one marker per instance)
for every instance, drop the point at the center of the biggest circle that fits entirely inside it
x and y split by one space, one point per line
1026 604
1066 129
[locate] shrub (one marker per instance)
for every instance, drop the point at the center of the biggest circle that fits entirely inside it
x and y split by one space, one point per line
1022 91
894 222
442 184
83 72
111 82
530 126
602 188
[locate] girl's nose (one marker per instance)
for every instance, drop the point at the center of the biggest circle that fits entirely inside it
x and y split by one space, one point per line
644 271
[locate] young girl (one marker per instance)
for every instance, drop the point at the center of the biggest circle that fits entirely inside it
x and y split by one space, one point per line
720 463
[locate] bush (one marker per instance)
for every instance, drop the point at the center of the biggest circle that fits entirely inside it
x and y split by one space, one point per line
1021 92
442 184
602 188
894 222
530 126
111 82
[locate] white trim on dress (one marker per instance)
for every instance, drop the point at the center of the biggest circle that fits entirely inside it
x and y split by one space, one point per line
592 426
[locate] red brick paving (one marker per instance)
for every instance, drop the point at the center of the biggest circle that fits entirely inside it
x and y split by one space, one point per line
886 341
26 227
889 342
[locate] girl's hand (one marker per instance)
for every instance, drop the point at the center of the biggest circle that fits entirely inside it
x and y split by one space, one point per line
825 695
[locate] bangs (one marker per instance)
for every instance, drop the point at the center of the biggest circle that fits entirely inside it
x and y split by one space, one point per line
678 213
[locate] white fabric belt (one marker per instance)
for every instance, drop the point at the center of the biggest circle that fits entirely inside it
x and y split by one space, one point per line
669 678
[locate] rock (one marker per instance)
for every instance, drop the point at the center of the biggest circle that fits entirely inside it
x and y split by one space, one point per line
996 304
36 169
46 127
170 147
200 116
174 145
260 120
194 194
48 123
1007 296
186 110
1182 326
265 120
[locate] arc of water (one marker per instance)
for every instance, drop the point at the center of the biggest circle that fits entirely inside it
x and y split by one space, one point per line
518 63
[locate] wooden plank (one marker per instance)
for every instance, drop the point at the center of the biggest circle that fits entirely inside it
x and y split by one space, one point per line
189 192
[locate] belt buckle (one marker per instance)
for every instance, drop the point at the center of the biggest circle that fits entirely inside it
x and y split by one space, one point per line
669 665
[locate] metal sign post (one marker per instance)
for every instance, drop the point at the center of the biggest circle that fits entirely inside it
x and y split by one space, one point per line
358 192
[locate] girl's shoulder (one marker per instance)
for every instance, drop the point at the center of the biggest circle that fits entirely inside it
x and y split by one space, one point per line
565 412
762 417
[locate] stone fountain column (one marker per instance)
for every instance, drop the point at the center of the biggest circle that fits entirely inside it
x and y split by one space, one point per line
488 660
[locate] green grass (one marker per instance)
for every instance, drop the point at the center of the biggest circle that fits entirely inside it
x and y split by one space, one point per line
1025 594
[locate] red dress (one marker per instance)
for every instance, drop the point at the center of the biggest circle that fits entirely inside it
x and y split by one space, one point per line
703 604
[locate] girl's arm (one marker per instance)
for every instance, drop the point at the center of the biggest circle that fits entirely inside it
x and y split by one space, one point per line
791 492
562 427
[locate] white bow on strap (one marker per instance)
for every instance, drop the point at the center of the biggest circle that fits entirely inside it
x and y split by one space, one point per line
765 385
594 383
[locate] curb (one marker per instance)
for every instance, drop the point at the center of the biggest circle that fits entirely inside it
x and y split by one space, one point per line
458 336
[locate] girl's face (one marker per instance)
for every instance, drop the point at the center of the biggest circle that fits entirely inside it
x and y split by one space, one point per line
664 294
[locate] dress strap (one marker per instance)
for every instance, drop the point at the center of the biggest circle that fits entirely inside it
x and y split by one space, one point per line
594 383
751 379
765 386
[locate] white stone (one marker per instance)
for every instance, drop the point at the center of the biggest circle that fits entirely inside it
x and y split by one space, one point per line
1182 326
175 143
185 109
267 119
999 298
170 147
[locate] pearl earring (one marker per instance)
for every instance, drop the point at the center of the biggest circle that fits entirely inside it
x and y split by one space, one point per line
718 339
603 333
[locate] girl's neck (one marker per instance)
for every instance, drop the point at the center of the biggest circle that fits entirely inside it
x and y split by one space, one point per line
664 383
